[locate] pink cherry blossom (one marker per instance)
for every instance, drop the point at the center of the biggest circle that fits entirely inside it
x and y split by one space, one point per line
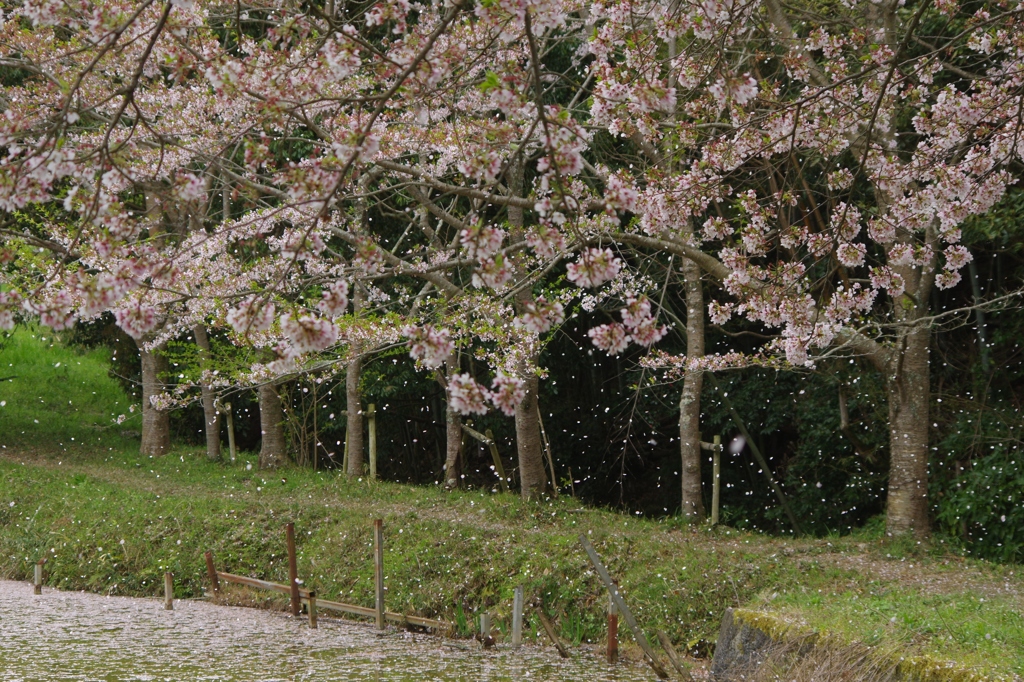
428 346
611 338
546 240
636 312
466 396
301 246
851 254
594 268
190 187
493 272
541 315
137 320
901 254
957 256
885 278
947 279
481 241
335 299
253 314
720 312
507 392
307 333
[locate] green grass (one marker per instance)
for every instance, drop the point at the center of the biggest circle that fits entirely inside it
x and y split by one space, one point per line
986 632
110 520
58 398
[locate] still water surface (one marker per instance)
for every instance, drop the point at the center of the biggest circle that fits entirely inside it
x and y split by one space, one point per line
80 636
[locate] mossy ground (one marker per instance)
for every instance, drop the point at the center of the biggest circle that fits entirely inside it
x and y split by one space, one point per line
73 489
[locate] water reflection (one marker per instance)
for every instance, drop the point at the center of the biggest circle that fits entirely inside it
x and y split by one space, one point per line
79 636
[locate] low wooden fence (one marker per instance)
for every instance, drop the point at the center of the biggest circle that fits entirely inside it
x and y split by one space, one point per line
302 596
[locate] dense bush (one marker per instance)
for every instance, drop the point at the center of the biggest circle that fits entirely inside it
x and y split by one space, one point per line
985 506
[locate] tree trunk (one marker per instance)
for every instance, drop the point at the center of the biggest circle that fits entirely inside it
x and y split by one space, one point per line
907 377
532 477
689 401
354 422
156 424
453 448
273 449
211 419
909 392
354 409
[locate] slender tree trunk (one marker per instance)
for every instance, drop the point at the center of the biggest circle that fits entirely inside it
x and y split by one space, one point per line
354 429
156 424
453 448
689 401
354 421
273 450
909 394
529 446
532 477
211 419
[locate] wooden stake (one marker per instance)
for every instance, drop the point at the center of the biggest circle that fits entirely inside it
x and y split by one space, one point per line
485 626
293 571
37 581
757 455
517 617
168 591
627 615
231 431
378 569
371 420
211 573
716 479
613 632
547 448
498 469
550 629
316 438
673 657
312 609
344 453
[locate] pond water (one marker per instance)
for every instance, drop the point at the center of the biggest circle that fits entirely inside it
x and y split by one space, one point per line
81 636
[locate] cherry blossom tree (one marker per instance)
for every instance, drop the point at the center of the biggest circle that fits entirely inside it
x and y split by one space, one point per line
828 163
816 168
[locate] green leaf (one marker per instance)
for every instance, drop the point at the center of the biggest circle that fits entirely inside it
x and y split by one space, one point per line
490 82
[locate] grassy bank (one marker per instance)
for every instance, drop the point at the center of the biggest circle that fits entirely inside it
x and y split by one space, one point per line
109 520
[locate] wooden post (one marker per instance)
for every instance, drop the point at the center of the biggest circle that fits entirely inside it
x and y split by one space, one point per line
168 591
517 617
673 657
231 430
498 469
620 604
547 449
716 479
312 609
485 626
211 573
37 581
344 451
757 455
613 632
550 630
371 420
293 571
378 569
